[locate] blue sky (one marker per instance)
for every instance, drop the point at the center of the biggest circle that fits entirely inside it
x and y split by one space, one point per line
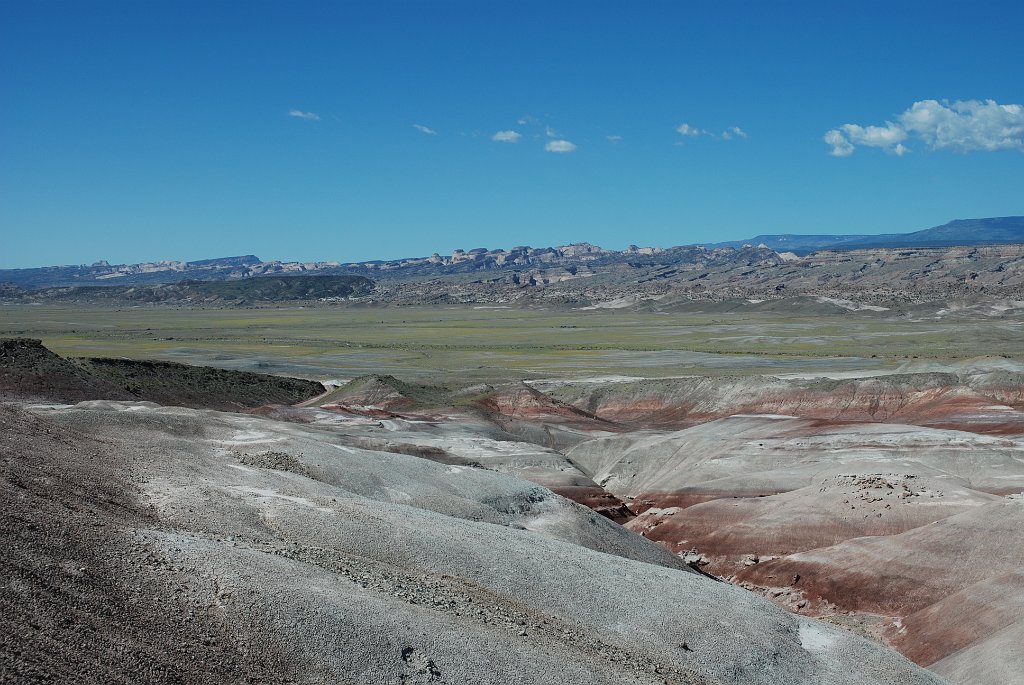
138 131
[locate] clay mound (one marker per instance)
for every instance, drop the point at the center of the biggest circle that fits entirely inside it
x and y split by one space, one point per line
979 401
524 403
991 410
732 533
411 474
963 622
1003 381
181 559
516 409
539 418
878 520
387 393
514 429
993 660
953 584
922 566
471 439
757 455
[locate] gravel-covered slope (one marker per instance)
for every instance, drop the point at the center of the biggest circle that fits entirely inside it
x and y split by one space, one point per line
170 545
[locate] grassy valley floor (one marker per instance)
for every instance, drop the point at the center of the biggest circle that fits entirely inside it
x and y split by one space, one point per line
477 344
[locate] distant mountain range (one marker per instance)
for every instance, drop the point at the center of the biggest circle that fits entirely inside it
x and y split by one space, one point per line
169 271
524 265
993 231
246 291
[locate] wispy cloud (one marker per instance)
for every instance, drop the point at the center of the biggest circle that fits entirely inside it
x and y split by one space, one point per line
688 131
614 139
551 133
733 132
308 116
844 139
559 146
961 126
424 129
507 136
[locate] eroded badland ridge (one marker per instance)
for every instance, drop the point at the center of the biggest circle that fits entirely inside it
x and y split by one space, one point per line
353 543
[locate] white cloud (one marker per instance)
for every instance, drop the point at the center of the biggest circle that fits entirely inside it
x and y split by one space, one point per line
733 132
967 125
728 134
559 146
961 126
423 129
551 133
308 116
507 137
613 139
847 137
841 147
889 137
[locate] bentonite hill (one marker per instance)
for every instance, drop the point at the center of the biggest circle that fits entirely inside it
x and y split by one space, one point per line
151 544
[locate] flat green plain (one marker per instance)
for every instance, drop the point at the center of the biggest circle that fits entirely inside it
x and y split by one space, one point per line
475 344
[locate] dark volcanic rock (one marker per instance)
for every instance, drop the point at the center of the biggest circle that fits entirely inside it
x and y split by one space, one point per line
199 386
30 371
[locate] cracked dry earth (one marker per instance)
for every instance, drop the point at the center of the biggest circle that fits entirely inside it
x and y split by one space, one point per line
158 544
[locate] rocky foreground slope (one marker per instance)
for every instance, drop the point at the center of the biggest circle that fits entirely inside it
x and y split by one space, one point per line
149 544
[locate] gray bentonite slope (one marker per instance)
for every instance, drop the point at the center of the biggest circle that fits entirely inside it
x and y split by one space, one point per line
151 544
